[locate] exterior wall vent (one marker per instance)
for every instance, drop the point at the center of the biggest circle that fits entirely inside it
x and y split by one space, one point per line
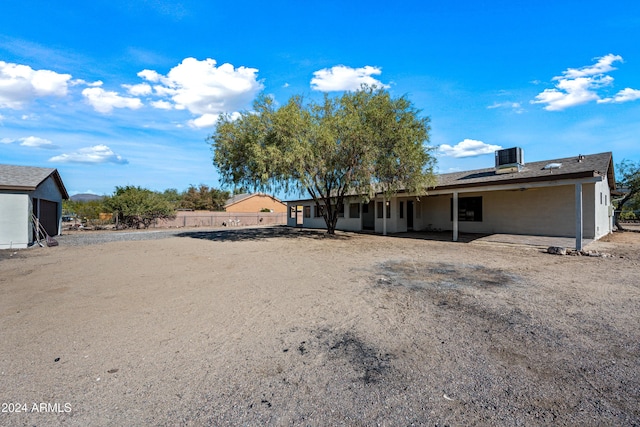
509 160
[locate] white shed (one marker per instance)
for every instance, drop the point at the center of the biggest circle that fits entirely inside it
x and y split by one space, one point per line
27 190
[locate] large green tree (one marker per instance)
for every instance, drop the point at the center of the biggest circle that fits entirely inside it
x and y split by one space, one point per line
136 206
359 143
629 180
203 198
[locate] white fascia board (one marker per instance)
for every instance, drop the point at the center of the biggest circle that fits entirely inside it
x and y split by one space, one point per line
518 186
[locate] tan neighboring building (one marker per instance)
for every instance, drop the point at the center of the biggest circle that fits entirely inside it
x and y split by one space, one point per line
255 202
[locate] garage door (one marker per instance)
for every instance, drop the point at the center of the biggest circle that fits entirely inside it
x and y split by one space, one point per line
49 216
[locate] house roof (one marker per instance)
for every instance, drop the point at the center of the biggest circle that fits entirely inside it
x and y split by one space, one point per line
240 197
28 178
583 166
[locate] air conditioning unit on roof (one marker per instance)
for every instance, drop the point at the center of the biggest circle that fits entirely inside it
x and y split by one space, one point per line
509 160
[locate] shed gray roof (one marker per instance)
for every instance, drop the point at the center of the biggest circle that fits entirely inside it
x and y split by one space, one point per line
28 178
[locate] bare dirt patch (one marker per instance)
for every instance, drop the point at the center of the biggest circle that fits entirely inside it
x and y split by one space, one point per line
279 328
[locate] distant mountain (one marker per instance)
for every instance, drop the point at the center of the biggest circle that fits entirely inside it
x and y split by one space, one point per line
86 197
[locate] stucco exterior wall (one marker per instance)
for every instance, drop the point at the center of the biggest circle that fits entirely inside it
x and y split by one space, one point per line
603 209
48 190
393 222
346 223
546 211
256 203
434 213
14 221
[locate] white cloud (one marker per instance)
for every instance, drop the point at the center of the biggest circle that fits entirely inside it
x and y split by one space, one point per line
601 67
516 107
204 121
34 141
105 101
91 155
204 89
624 95
162 105
208 120
569 93
80 82
468 148
150 75
341 78
577 86
20 84
30 141
139 89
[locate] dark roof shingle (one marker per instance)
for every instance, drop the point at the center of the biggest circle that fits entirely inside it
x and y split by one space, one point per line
571 167
28 178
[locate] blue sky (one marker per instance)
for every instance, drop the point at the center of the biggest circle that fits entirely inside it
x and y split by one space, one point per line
114 92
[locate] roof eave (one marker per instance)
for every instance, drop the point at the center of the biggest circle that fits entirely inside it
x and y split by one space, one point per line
17 188
63 190
522 180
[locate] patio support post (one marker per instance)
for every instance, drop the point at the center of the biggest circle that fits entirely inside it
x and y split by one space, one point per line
384 215
455 216
579 216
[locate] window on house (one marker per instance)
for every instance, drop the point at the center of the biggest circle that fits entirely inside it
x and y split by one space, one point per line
292 212
307 211
401 209
605 200
318 213
354 210
380 210
601 197
469 209
341 210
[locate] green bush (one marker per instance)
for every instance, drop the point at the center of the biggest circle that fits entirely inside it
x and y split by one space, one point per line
136 206
628 216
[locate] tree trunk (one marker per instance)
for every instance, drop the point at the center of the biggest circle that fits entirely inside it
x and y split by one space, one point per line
617 221
618 210
333 220
331 217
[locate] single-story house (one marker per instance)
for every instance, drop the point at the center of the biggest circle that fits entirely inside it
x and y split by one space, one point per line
26 190
568 197
256 202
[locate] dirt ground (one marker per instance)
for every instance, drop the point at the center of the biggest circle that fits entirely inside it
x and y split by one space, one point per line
290 327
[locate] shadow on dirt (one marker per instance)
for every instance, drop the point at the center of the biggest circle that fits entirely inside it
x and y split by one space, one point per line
422 276
438 236
344 353
247 234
